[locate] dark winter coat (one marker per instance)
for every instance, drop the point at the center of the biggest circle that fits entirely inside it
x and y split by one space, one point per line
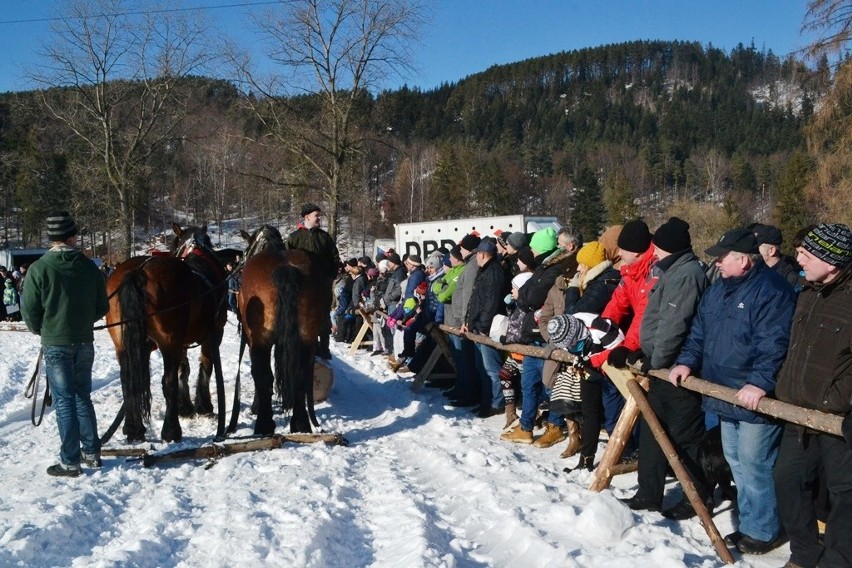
817 372
672 304
65 296
486 299
740 336
790 270
325 258
393 291
415 277
598 285
359 287
549 265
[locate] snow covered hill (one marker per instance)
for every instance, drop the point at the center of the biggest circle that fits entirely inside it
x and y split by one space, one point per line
421 484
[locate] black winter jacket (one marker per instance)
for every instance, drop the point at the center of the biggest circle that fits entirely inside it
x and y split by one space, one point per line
486 300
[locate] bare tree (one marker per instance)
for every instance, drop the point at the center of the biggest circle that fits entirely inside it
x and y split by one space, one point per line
831 21
118 71
328 55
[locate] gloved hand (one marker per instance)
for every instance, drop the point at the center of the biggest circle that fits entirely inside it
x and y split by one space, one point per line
618 357
638 357
391 322
846 428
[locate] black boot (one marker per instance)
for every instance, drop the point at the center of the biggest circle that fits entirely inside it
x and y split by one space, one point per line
586 462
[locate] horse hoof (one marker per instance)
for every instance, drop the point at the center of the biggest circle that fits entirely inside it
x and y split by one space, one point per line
171 436
204 410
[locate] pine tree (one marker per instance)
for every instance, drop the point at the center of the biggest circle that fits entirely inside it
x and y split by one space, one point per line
588 212
791 209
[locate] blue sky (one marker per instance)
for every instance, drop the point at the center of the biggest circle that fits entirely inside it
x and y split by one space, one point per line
463 37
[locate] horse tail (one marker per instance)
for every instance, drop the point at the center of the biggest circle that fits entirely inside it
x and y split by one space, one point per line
134 358
287 343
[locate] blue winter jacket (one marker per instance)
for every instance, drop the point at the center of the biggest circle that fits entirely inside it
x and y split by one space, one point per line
740 336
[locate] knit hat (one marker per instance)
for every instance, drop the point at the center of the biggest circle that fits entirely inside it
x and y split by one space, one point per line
353 262
456 252
394 258
565 331
517 239
609 240
635 236
831 243
767 234
469 242
543 240
521 279
673 235
502 236
309 208
434 260
591 254
602 330
409 304
421 289
526 256
414 259
383 265
60 226
372 272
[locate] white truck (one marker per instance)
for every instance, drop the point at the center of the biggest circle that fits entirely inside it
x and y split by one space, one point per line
425 237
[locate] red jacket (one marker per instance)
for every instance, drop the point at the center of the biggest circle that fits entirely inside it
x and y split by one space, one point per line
629 299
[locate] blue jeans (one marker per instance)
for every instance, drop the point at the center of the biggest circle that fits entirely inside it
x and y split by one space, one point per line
69 373
532 390
751 451
489 361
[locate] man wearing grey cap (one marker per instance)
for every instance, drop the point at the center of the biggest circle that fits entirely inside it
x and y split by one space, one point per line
817 374
738 339
65 296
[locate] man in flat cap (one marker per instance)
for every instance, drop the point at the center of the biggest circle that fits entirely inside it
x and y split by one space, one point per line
739 339
325 260
65 296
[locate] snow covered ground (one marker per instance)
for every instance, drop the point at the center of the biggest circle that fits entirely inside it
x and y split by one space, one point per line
421 484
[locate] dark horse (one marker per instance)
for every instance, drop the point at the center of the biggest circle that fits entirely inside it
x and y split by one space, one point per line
280 306
169 302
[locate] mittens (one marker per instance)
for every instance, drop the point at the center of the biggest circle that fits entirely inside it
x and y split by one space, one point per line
618 357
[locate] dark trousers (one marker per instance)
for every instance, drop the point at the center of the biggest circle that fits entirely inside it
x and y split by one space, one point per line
593 413
796 480
680 413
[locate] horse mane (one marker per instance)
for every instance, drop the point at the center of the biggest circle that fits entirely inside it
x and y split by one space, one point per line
266 237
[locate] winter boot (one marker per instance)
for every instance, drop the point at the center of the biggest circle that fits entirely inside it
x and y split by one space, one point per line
574 440
92 460
518 435
586 462
552 435
511 415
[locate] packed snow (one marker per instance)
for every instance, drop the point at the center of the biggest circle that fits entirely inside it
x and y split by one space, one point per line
420 484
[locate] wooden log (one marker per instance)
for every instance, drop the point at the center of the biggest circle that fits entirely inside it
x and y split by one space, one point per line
680 472
217 450
814 419
441 341
124 452
426 372
532 351
608 467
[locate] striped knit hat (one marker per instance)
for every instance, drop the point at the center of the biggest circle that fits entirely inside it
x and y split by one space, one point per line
831 243
60 226
566 331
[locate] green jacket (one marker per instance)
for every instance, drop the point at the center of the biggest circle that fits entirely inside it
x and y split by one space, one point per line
64 297
444 287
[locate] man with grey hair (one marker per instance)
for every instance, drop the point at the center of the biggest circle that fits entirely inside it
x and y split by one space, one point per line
739 339
66 295
569 240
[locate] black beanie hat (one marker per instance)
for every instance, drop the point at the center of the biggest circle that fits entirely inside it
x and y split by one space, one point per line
635 236
309 208
469 242
60 226
526 256
673 235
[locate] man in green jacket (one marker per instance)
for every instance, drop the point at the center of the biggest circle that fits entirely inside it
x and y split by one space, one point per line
65 296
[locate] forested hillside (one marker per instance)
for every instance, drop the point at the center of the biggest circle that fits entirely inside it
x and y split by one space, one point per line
650 128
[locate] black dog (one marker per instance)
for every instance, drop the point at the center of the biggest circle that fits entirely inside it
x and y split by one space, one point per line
714 466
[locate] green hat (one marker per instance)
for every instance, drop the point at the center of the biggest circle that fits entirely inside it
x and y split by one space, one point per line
543 240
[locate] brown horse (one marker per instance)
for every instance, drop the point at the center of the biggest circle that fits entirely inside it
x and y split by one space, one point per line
169 302
280 306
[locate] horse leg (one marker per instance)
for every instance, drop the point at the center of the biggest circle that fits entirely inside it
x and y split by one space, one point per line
185 407
203 402
300 422
171 431
261 372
